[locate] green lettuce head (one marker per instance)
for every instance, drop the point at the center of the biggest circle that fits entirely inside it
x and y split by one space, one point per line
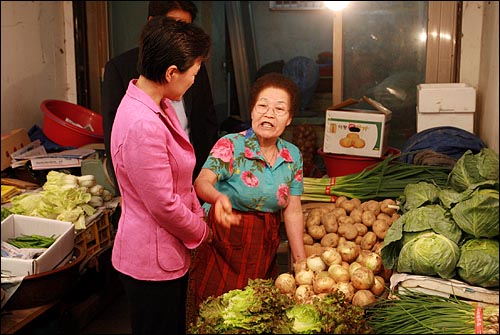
305 319
478 263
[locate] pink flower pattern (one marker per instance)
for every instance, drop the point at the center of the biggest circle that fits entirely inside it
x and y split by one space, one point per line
249 179
223 150
282 195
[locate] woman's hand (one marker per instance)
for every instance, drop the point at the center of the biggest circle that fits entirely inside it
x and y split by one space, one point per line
224 212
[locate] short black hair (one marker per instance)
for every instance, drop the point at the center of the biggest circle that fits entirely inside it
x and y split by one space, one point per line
276 80
165 42
161 8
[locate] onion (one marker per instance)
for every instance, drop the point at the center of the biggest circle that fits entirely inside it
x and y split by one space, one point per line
370 260
378 286
331 256
286 283
347 289
304 294
323 284
353 266
363 298
339 273
349 251
299 266
315 263
362 278
304 277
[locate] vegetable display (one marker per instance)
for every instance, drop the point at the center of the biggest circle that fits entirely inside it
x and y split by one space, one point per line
261 308
63 197
440 228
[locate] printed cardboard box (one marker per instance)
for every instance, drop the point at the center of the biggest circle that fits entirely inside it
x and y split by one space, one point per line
357 132
15 225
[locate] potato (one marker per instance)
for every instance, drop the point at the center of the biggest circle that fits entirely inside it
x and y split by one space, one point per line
340 200
315 249
380 228
308 239
316 232
361 228
356 202
329 221
330 240
368 217
387 206
338 212
345 219
313 219
348 231
368 241
373 206
356 214
348 205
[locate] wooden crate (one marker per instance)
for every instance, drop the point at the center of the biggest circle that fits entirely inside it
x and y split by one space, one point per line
96 237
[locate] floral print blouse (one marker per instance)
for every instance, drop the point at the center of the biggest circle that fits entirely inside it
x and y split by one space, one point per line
245 177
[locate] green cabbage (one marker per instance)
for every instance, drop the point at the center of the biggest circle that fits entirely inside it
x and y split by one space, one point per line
419 194
429 254
478 263
478 215
472 169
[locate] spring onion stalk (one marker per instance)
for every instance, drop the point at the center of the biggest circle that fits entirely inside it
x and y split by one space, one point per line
413 312
386 179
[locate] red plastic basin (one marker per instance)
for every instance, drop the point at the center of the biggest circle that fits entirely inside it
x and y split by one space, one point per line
341 165
64 133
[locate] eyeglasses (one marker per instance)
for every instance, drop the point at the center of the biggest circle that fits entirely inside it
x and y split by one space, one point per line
263 108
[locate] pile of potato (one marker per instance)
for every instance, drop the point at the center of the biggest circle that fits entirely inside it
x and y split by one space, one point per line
343 242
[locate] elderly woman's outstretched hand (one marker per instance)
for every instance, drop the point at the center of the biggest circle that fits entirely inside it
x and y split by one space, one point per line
224 212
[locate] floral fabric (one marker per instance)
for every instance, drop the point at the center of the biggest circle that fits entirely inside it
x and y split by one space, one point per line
244 176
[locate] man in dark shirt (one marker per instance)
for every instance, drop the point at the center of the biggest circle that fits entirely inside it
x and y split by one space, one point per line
196 110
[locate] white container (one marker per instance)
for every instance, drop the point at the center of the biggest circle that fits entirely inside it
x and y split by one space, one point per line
463 121
15 225
446 98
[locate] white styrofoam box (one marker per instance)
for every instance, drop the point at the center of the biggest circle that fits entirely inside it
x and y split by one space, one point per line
15 225
430 120
446 98
357 132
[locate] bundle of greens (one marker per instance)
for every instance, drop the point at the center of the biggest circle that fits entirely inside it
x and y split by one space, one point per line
386 179
413 312
261 308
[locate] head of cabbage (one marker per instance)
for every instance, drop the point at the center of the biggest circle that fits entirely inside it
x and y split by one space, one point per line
429 254
478 263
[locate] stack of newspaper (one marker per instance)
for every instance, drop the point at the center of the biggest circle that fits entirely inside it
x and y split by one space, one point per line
41 160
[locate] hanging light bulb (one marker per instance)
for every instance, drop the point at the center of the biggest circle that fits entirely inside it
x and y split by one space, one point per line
336 5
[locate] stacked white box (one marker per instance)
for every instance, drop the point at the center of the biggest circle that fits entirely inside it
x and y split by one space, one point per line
450 104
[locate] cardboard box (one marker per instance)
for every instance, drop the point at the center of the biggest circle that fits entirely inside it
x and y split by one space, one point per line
357 132
16 225
446 98
12 142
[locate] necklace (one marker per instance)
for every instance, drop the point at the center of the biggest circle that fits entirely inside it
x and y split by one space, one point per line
272 160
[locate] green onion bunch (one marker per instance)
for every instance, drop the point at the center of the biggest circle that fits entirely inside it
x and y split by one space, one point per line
414 312
386 179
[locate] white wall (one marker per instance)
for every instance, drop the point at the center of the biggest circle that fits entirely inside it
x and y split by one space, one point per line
38 61
34 60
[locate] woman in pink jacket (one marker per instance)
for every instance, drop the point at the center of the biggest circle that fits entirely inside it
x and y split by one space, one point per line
162 219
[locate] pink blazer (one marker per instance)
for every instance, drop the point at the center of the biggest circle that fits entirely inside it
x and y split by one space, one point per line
161 216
